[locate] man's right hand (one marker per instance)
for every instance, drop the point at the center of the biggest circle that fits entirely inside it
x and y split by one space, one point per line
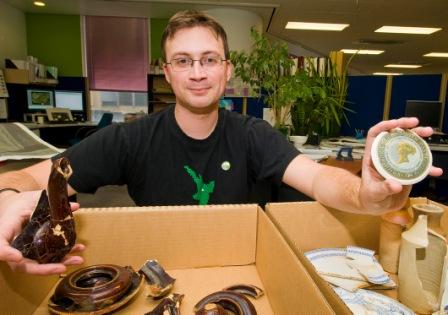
15 211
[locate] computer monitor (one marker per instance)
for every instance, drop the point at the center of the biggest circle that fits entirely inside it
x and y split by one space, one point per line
39 100
73 100
429 113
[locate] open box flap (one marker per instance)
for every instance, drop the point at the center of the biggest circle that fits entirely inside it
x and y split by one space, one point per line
304 222
286 281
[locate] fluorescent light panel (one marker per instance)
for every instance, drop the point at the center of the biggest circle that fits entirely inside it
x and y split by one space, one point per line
407 30
403 66
315 26
39 3
387 73
362 51
437 54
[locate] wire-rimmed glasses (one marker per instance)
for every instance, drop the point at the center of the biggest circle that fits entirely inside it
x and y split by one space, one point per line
210 63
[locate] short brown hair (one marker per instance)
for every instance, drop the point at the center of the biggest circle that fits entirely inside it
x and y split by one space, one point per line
189 19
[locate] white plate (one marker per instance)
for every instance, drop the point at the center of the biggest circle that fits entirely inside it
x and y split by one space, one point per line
368 302
401 155
332 262
355 264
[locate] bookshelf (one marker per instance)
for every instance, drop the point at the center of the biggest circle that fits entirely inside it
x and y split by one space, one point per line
160 93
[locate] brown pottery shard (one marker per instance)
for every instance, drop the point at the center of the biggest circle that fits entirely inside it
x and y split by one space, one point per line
50 234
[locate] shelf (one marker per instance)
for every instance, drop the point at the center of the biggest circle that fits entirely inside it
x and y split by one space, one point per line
161 95
20 76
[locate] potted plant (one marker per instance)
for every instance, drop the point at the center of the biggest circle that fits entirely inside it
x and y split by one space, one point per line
268 70
321 106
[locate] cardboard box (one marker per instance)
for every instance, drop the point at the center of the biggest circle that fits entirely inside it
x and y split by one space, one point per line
309 225
17 76
205 248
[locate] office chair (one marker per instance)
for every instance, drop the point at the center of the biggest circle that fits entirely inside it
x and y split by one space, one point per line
84 132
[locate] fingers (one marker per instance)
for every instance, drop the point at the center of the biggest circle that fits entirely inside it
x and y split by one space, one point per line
423 131
72 260
7 253
378 191
32 267
20 264
392 187
404 123
435 171
74 206
77 248
383 189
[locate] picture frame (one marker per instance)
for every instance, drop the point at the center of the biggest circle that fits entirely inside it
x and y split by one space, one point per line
59 115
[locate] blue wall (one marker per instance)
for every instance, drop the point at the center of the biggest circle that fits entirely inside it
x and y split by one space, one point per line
254 106
413 87
365 96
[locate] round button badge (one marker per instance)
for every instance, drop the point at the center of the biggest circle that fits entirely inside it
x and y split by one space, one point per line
225 165
401 155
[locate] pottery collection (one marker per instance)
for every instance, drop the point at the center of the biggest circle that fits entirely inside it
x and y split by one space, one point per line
412 245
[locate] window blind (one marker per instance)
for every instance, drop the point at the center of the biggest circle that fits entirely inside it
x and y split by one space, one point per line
117 53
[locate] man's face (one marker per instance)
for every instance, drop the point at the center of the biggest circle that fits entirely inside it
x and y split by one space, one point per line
197 88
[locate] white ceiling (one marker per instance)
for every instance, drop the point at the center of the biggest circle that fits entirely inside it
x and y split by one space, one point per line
364 16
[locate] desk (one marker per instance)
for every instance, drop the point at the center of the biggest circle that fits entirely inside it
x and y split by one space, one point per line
435 188
58 134
354 166
438 147
36 126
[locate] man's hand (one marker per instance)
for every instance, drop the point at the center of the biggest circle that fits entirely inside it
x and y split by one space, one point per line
16 210
378 195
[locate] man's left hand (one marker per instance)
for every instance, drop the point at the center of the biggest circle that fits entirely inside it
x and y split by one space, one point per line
378 195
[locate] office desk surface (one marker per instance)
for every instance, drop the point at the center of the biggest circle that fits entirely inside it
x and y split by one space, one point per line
34 126
439 147
354 166
59 134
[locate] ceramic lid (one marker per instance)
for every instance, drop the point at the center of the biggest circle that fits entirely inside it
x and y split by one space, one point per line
401 155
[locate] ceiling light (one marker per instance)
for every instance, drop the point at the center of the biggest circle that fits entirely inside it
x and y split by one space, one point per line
437 54
39 3
315 26
407 30
403 66
387 73
362 51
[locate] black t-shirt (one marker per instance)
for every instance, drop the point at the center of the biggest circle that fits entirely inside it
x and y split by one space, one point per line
163 166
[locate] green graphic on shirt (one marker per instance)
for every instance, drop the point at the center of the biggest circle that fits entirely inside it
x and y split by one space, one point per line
203 190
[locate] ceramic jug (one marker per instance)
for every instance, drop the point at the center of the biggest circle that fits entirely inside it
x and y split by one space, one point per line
422 261
391 227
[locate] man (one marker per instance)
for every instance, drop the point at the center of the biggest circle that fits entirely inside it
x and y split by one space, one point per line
193 153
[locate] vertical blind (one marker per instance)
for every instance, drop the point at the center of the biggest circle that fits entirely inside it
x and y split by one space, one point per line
117 53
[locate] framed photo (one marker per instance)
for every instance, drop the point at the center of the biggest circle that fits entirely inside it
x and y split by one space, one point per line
59 114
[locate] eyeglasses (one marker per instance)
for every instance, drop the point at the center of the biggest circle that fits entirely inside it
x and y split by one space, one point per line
185 63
